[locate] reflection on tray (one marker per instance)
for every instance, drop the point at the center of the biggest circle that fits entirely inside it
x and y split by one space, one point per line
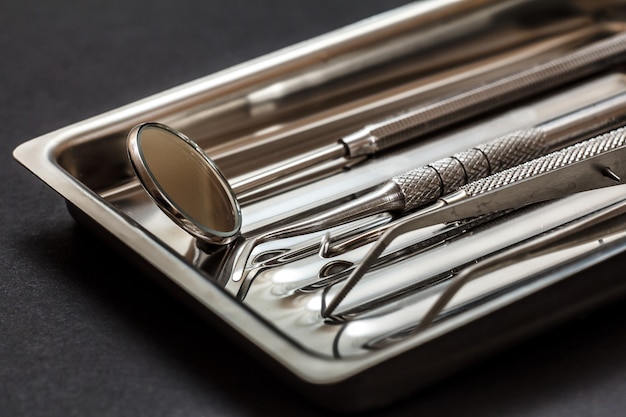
422 99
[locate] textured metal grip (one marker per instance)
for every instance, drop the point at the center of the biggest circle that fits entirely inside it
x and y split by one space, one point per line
428 118
550 162
424 185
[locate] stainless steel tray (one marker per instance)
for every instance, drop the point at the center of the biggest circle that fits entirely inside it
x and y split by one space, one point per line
306 96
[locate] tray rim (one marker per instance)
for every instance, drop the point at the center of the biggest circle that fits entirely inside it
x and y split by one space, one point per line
38 156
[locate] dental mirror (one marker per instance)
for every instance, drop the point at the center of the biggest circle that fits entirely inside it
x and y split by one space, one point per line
184 183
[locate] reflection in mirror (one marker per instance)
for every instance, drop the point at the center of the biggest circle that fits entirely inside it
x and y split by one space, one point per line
185 183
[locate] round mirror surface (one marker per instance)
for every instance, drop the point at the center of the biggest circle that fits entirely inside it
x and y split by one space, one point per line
185 183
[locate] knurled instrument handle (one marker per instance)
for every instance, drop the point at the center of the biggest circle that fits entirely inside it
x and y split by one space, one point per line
426 184
555 160
425 119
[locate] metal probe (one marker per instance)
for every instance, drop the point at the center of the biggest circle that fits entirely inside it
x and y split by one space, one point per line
201 201
414 123
595 163
426 184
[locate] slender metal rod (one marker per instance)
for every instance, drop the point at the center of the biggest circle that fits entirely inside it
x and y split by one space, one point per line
597 226
415 123
419 121
423 185
577 168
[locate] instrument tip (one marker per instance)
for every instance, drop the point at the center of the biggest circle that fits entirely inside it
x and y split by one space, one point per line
609 173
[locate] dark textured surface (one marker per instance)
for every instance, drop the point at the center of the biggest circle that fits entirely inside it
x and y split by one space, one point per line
82 333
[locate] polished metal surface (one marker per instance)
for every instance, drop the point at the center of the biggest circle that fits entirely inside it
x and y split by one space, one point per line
184 183
413 124
417 122
390 324
423 185
595 163
289 109
600 228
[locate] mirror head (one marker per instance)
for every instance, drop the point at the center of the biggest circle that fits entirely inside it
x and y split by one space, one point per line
184 183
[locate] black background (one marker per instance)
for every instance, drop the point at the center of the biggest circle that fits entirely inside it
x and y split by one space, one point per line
83 333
